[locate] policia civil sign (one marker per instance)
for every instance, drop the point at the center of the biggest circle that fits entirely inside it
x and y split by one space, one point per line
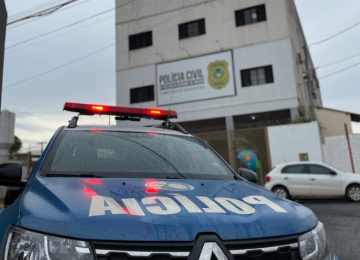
199 78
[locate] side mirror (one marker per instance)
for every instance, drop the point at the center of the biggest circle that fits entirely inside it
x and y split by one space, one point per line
248 175
11 174
333 173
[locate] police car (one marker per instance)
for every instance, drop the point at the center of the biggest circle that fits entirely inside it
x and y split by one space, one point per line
158 192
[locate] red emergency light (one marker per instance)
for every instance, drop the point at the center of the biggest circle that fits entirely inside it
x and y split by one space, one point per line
91 109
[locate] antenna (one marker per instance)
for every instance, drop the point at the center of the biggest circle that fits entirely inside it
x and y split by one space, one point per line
166 124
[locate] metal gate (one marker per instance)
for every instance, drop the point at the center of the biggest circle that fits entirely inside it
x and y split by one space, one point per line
251 148
243 148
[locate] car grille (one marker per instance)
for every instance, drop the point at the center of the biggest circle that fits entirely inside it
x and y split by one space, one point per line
285 248
141 251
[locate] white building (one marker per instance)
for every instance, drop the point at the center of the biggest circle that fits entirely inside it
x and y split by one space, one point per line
226 66
164 48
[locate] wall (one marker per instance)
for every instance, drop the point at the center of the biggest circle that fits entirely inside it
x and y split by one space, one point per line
332 122
336 152
298 42
288 141
269 97
162 17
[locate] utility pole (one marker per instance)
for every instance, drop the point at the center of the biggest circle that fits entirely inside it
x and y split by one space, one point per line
3 20
42 146
349 146
309 83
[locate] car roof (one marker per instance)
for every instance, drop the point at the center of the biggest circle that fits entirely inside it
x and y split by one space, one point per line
297 163
134 129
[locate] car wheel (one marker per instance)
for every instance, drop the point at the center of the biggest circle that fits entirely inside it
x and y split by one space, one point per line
353 193
282 192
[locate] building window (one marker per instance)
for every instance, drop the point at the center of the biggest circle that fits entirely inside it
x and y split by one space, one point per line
142 94
257 76
140 40
250 15
191 29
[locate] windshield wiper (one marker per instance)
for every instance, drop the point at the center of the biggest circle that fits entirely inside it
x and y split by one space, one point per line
83 175
172 178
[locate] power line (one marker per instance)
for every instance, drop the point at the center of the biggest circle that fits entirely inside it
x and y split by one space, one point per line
335 62
38 112
67 26
59 67
43 13
336 72
33 20
34 8
56 36
90 54
335 35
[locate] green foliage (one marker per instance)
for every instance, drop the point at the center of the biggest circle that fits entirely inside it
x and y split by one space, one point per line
16 146
306 116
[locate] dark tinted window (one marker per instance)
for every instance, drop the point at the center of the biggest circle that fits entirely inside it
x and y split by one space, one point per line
191 29
140 40
142 94
257 76
317 169
294 169
250 15
134 155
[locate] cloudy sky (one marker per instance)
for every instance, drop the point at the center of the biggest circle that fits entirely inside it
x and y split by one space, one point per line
38 102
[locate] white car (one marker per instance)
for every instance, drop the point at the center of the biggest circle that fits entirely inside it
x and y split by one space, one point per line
312 179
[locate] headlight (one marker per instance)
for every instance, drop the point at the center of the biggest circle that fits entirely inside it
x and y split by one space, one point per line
26 245
314 246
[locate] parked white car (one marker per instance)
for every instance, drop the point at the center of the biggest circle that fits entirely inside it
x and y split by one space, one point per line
312 179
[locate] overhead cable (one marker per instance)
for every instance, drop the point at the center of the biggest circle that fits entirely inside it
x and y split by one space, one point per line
335 62
64 27
90 54
37 18
335 35
43 13
56 36
337 72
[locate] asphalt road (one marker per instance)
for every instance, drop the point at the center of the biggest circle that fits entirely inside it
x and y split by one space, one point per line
342 224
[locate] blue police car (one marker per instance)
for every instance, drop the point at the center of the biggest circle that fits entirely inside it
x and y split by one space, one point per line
155 192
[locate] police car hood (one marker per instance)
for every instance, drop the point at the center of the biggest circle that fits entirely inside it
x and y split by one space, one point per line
161 210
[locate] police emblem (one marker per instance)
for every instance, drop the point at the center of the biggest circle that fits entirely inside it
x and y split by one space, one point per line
219 75
170 186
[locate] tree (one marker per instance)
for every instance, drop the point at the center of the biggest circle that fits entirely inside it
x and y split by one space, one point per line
16 146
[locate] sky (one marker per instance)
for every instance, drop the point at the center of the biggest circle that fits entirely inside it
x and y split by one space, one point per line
38 102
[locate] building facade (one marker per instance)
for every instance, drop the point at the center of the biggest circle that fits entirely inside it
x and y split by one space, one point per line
231 69
163 44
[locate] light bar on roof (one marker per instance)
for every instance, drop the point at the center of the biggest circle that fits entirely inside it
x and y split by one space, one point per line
94 109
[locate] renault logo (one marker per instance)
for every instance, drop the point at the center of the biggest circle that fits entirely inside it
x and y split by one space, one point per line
210 249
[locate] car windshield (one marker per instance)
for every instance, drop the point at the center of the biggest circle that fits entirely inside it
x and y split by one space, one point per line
133 155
